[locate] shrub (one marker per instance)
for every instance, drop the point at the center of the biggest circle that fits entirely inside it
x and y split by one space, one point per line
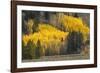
26 52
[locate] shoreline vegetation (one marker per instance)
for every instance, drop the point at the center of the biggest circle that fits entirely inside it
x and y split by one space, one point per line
54 35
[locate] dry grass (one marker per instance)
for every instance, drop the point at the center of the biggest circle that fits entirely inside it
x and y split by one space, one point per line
61 57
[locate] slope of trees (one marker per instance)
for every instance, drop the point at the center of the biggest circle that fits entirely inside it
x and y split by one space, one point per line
44 39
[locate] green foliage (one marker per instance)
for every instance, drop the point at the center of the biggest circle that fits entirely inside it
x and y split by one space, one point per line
32 51
38 50
26 52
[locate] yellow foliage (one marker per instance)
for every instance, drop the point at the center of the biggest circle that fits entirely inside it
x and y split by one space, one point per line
75 24
46 34
29 26
50 35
